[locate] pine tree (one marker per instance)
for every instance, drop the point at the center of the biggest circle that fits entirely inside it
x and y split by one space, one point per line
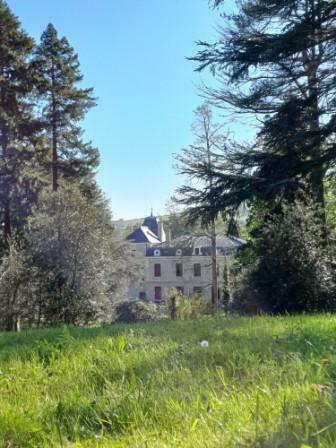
276 61
16 119
65 104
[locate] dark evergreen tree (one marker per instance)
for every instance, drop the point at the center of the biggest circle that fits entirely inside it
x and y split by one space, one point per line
16 119
64 105
276 60
293 272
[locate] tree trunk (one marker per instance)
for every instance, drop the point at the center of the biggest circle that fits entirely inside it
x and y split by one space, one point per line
54 154
317 175
6 206
12 324
312 64
9 323
7 220
17 325
214 267
54 157
226 286
173 309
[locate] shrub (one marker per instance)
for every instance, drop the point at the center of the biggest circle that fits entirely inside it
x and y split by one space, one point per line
134 310
183 307
246 299
293 271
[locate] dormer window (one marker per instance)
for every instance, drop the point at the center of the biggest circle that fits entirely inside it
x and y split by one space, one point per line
197 251
157 253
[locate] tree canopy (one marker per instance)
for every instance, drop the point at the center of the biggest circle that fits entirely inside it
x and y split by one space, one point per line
275 61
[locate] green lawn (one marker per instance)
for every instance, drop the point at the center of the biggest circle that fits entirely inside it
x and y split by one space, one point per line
262 382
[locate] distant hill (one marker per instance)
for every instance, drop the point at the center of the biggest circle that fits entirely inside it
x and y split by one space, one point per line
122 224
129 224
177 225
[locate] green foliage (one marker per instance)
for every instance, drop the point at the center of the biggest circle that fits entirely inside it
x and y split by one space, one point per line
176 221
330 187
130 311
183 307
17 121
60 258
196 163
291 271
275 60
226 285
261 382
16 286
70 266
84 262
64 105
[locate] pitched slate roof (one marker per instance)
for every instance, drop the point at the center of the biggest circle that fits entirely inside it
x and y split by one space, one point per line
222 242
152 223
143 235
225 244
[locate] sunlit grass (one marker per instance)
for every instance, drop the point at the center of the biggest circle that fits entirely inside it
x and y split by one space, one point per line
262 382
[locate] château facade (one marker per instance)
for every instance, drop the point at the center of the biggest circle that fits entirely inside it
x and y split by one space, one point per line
183 263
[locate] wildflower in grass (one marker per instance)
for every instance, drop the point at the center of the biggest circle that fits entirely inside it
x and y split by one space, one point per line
320 388
325 361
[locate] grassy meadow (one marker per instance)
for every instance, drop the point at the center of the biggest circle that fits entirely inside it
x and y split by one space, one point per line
261 382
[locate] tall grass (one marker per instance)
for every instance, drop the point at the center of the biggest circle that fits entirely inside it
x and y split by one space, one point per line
261 382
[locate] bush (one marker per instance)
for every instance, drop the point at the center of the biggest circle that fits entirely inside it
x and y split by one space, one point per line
294 269
246 299
133 310
183 307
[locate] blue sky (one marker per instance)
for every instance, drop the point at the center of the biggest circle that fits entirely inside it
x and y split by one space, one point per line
133 52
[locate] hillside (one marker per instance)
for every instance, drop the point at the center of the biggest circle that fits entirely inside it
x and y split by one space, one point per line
261 382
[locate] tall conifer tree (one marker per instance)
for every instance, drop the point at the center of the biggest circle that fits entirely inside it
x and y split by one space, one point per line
16 123
65 104
277 60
